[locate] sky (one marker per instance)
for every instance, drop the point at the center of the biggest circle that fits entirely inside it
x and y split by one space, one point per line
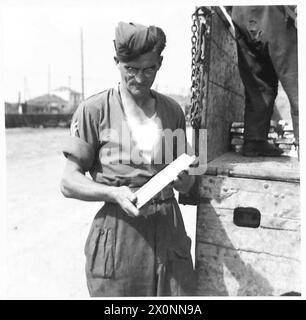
41 42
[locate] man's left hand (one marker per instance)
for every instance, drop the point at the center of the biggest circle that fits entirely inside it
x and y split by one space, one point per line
183 182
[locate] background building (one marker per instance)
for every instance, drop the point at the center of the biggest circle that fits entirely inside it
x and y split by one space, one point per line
60 100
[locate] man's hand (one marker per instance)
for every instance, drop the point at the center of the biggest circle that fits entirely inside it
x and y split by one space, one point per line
183 182
126 199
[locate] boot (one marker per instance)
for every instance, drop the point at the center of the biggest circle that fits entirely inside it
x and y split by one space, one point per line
260 148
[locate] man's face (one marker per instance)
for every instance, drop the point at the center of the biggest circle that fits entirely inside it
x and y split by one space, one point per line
139 74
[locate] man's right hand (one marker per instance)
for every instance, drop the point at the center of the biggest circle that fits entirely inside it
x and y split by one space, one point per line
126 200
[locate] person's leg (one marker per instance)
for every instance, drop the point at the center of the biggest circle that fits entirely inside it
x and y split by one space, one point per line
174 268
283 52
259 79
260 93
120 255
256 71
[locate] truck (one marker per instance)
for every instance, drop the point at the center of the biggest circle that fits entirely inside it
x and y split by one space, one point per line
248 209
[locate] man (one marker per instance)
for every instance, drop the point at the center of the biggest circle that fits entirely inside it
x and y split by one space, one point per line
267 53
130 252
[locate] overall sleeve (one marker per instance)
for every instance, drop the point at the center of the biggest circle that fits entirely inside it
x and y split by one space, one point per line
84 136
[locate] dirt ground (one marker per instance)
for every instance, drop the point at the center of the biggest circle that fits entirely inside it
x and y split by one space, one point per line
47 232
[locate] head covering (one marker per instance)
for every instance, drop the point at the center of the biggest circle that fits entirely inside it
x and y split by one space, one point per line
132 40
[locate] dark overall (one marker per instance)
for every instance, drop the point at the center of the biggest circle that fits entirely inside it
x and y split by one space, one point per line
125 256
267 52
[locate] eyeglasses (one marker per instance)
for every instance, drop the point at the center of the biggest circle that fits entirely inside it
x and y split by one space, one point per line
147 72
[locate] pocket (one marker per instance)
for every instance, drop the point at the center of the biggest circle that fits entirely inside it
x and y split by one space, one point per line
101 258
89 240
181 249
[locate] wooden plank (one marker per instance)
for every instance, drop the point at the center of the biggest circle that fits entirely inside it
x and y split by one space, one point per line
226 272
271 168
222 111
226 19
271 198
221 23
232 260
224 101
223 62
217 139
221 33
267 222
216 229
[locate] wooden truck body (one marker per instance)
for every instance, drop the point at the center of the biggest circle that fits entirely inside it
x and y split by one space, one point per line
230 259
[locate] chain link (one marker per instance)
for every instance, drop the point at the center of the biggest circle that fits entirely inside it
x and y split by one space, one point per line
199 62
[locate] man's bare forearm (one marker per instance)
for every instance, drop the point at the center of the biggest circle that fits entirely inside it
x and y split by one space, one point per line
76 185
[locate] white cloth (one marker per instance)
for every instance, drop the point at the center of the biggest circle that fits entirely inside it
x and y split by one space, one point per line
145 134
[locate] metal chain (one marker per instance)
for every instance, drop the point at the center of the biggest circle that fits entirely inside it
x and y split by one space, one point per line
199 62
